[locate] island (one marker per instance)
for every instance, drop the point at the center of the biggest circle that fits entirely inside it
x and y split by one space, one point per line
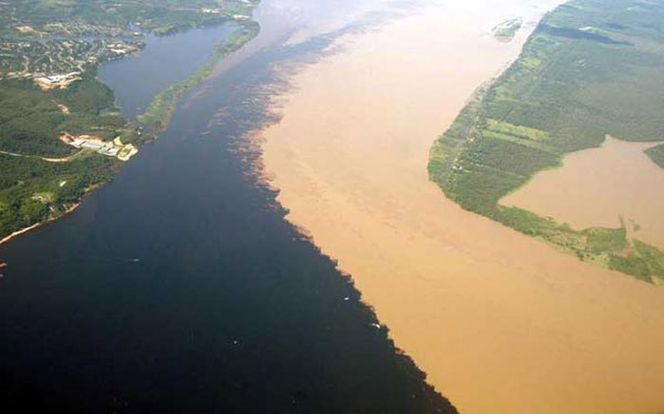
61 134
505 31
591 69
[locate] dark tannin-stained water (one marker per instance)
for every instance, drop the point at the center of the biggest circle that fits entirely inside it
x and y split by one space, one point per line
137 78
179 288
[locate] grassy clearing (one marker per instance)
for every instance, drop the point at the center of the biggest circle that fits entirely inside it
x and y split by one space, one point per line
590 69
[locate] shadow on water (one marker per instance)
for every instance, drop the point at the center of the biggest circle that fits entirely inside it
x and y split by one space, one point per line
179 287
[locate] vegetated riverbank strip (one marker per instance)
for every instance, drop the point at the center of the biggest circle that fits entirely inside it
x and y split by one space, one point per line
48 176
560 96
657 154
159 111
17 233
79 173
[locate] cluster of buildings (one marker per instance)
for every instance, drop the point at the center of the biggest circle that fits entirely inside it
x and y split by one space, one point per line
57 81
220 11
57 63
114 148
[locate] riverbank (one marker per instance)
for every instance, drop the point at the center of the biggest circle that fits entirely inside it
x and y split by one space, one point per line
554 101
615 186
499 322
68 209
75 173
183 248
158 113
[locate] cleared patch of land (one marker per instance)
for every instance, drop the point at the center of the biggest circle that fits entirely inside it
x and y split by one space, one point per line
591 68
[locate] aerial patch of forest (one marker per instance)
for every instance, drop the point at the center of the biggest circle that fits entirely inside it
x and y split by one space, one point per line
42 176
592 68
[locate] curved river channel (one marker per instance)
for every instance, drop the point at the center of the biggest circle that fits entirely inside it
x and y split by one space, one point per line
212 275
179 287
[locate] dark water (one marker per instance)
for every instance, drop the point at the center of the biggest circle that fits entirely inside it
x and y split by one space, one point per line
179 288
165 60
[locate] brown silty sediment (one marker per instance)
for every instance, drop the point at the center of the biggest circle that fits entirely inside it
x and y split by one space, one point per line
501 323
600 187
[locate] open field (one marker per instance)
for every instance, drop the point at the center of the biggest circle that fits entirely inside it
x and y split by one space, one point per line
591 68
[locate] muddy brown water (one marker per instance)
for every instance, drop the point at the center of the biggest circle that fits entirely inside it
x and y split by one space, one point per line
599 186
501 323
178 287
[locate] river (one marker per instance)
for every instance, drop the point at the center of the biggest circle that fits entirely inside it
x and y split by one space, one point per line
616 184
501 323
179 286
137 78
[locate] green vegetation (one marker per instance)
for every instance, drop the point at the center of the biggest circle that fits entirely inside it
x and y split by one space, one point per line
32 188
114 17
592 68
45 38
657 154
158 113
41 175
506 30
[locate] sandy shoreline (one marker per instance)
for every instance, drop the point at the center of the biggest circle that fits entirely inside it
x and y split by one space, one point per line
41 223
19 232
500 322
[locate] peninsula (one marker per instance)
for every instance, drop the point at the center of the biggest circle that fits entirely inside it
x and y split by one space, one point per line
592 68
499 321
61 133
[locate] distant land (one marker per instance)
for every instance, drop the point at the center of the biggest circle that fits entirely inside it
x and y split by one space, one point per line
592 68
61 134
506 30
180 286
